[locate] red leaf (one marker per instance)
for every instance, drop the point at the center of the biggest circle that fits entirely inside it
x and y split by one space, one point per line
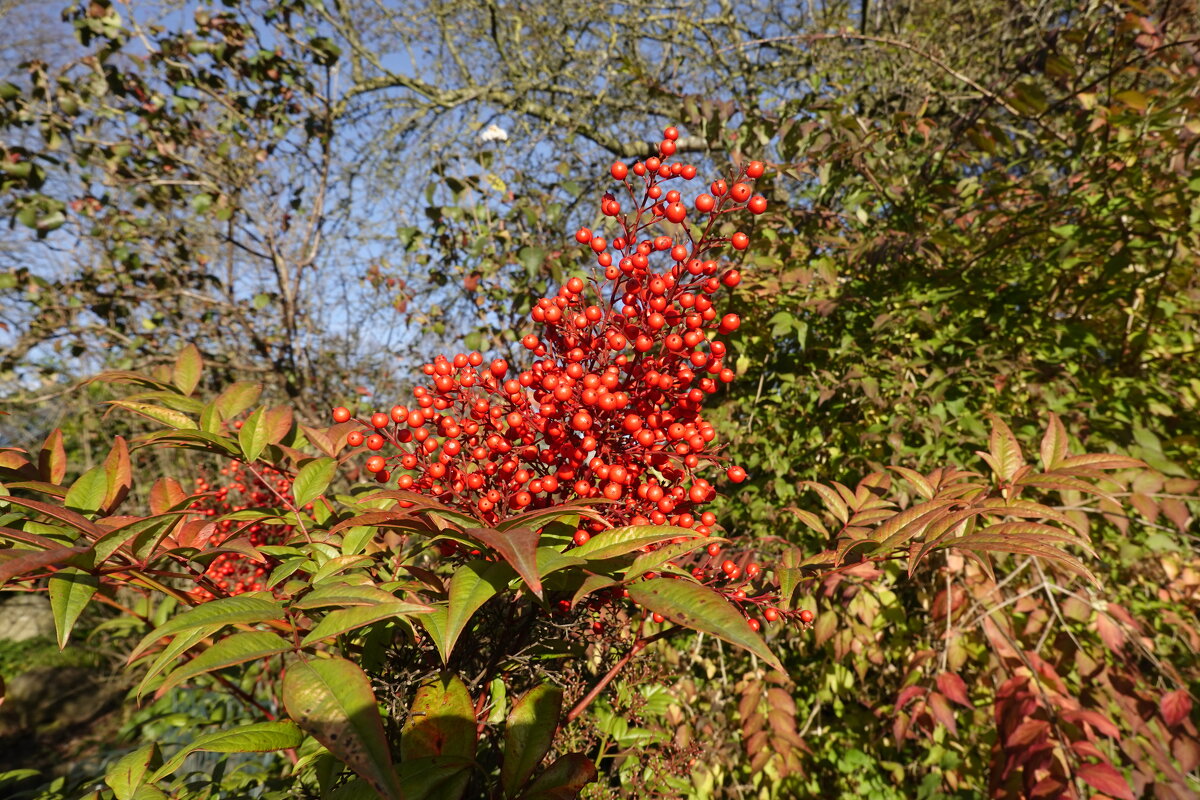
1110 633
518 547
954 688
1027 732
1175 707
942 712
1106 778
908 693
1086 748
1096 720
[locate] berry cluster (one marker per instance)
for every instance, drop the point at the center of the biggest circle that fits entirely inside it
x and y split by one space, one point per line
610 407
234 573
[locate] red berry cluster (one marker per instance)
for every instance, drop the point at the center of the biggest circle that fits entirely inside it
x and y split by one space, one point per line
624 359
234 573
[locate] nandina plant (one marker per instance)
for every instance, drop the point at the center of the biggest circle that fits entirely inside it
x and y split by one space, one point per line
528 533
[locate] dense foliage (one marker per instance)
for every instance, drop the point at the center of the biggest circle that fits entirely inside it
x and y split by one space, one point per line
975 228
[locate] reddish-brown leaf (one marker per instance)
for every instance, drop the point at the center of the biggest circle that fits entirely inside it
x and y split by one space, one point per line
1095 719
1027 733
120 475
1054 443
1186 751
1085 748
1110 633
954 688
165 494
35 560
908 693
1050 786
1175 707
518 547
52 459
1106 778
940 708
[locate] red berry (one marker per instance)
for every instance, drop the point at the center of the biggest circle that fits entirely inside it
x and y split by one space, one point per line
806 616
736 474
719 188
740 241
754 169
583 236
771 614
375 463
754 624
618 170
740 192
380 420
341 414
705 203
757 204
671 133
354 438
581 536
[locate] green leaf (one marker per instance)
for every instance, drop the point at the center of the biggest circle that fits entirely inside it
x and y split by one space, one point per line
471 586
435 777
332 700
71 590
188 364
344 594
441 721
344 620
261 737
237 398
1005 450
87 494
619 541
169 654
313 479
167 416
129 772
656 558
230 651
700 608
531 259
528 734
250 607
254 435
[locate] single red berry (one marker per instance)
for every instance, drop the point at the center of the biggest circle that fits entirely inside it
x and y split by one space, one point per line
740 192
736 474
375 464
719 188
375 442
754 624
757 204
581 537
771 614
583 236
754 169
658 618
671 133
740 241
354 438
618 170
380 420
806 616
341 414
705 203
728 566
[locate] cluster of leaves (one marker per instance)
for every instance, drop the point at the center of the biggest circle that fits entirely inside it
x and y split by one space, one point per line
360 576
